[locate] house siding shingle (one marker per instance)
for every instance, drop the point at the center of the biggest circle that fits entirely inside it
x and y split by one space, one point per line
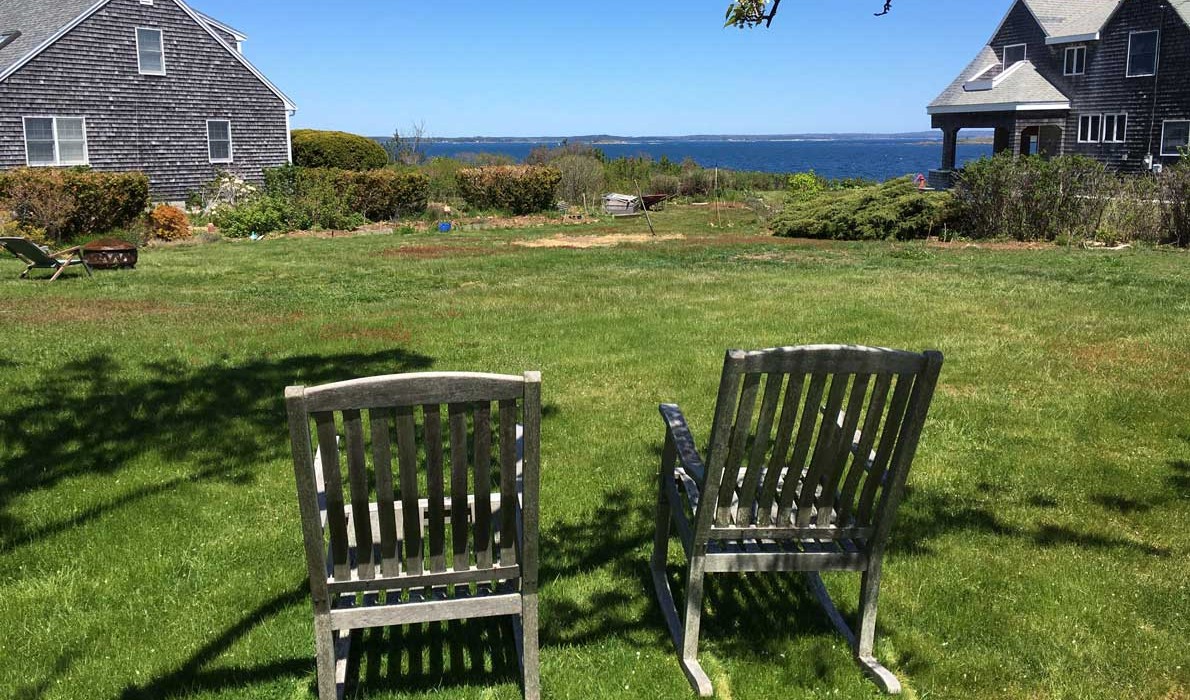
156 124
1105 88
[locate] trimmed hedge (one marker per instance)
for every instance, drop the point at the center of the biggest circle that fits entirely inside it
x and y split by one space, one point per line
520 189
892 210
337 149
378 195
75 202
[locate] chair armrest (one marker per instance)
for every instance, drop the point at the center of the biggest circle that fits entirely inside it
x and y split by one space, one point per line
683 440
68 251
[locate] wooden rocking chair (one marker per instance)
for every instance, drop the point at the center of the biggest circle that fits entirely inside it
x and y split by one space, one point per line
380 553
817 494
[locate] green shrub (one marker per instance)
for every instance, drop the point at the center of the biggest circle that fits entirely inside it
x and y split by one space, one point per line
443 178
893 210
804 185
73 203
697 182
665 184
1175 202
333 199
261 215
1031 198
520 189
337 149
582 178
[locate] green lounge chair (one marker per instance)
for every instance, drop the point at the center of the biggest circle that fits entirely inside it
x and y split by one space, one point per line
37 258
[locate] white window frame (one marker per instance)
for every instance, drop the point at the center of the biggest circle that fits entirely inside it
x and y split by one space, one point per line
1004 55
231 151
1117 119
58 162
161 37
1166 123
1156 55
1093 134
1066 60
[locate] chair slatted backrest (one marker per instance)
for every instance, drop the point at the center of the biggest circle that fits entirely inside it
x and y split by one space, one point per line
813 442
27 251
395 480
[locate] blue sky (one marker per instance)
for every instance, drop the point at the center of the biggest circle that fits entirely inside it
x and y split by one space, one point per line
532 67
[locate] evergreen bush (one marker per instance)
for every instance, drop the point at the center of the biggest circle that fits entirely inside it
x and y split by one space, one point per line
337 149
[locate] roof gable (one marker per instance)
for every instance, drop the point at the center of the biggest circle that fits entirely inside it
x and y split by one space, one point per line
50 21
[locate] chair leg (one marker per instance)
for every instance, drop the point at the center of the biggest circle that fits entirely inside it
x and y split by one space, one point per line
869 592
686 643
58 272
325 641
694 672
530 661
861 645
25 274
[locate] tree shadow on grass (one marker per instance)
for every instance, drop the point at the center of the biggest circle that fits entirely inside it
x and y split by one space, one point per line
98 415
193 676
925 516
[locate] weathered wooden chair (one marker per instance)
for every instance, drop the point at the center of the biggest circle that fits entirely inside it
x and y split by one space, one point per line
817 494
37 258
423 546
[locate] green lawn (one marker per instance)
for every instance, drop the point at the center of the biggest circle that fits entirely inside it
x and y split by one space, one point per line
149 534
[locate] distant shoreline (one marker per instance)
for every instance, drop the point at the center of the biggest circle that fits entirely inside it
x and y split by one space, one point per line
611 140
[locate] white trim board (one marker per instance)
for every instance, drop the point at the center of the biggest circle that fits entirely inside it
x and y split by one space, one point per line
999 107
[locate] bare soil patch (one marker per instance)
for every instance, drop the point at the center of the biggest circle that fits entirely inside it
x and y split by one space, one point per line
56 311
582 242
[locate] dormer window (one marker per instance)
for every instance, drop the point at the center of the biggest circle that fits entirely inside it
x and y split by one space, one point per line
1076 60
8 37
1014 54
1142 53
150 51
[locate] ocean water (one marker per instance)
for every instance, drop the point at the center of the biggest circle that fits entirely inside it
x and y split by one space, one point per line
873 158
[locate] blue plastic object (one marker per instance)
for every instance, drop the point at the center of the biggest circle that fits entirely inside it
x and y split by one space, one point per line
444 227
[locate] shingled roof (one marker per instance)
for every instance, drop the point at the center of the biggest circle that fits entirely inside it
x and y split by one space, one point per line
1062 18
37 21
1017 87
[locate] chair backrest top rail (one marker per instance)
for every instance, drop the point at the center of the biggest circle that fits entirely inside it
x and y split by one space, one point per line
412 390
835 359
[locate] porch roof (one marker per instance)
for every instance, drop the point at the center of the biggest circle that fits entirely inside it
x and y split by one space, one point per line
1015 89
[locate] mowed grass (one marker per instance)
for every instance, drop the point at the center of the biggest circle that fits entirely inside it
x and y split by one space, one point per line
149 533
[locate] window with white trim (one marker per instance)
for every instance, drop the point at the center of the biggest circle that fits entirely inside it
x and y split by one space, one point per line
1115 128
150 51
1089 126
219 140
1142 53
1076 61
1013 54
1175 135
53 141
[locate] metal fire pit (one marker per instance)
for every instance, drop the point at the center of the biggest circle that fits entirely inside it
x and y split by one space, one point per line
110 254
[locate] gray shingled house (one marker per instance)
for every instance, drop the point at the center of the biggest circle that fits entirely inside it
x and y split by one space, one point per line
1109 79
149 85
